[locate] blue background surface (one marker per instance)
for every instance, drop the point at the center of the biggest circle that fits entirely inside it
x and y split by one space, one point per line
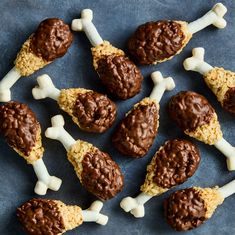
115 21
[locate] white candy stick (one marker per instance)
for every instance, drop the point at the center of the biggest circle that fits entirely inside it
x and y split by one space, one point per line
92 214
7 82
58 132
135 205
45 181
228 189
214 16
228 150
45 88
85 24
160 85
196 62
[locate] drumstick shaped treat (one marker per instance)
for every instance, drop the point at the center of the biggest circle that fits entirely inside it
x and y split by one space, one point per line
120 75
50 41
45 216
219 80
156 42
91 111
22 131
172 164
96 170
188 208
137 131
197 118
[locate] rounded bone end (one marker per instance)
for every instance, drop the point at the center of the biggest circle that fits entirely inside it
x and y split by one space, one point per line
138 212
54 183
87 14
190 63
220 9
231 163
102 220
96 206
40 188
128 203
77 25
5 95
57 120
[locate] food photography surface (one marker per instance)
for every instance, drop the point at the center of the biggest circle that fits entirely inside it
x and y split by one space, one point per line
79 154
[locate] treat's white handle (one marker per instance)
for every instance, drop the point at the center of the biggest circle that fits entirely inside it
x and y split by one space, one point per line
135 205
45 88
7 82
85 24
214 16
160 85
196 62
228 150
92 214
228 189
58 132
45 181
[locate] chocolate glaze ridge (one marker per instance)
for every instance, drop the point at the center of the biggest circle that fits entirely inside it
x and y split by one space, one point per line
137 131
156 41
190 110
229 101
19 126
175 163
101 175
41 216
95 112
51 39
185 209
120 75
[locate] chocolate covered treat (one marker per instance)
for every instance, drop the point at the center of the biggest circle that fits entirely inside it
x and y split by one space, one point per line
137 131
91 111
22 131
46 216
50 41
219 80
156 42
120 75
172 164
189 208
198 119
96 170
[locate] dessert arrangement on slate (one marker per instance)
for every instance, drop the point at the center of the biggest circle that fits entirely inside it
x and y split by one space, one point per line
50 41
197 118
219 80
22 131
96 170
156 42
137 131
173 163
119 74
90 110
46 216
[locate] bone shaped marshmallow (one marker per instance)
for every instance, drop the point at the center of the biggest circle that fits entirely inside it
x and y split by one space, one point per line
214 17
85 24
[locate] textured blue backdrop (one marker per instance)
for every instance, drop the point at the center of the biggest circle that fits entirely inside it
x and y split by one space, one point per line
115 20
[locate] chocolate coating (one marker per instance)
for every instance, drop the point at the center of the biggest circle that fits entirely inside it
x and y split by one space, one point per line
156 41
101 175
52 39
229 100
136 133
120 75
190 110
185 209
95 112
175 163
19 126
41 217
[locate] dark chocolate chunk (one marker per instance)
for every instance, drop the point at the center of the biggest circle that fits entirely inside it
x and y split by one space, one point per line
229 100
52 39
185 209
19 125
175 163
156 41
41 217
136 133
190 110
120 75
95 112
101 175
